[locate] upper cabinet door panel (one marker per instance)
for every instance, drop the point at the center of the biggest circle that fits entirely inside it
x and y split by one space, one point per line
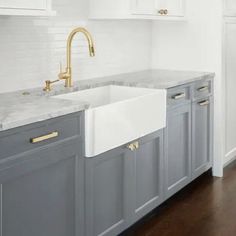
24 4
230 7
137 9
173 7
146 7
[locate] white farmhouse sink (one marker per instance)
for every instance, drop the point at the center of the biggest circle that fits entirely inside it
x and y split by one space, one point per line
118 115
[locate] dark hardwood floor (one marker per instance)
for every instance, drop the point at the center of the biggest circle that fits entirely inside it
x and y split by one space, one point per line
205 208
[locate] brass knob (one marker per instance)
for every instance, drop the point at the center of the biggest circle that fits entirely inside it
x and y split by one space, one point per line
133 146
161 12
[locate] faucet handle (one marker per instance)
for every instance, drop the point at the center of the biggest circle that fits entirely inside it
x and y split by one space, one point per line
61 73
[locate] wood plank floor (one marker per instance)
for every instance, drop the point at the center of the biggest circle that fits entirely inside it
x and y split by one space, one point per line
205 208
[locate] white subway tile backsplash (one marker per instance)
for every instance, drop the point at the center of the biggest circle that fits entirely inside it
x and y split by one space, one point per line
31 49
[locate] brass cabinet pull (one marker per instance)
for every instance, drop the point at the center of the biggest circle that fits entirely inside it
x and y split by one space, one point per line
44 137
204 103
202 89
161 12
179 96
133 146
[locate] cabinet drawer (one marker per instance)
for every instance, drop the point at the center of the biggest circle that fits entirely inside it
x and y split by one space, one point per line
178 96
39 134
202 89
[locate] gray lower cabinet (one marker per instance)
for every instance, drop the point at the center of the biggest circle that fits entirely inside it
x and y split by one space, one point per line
48 188
123 185
41 190
201 136
177 159
147 175
107 192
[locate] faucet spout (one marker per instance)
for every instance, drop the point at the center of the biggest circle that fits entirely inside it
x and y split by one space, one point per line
69 44
67 75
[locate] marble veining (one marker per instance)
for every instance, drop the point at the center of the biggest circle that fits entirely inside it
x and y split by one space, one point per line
17 109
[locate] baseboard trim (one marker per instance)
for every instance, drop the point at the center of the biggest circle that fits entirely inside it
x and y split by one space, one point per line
230 157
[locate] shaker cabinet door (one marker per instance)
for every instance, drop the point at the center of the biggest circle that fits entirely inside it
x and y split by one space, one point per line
107 185
201 136
43 195
177 150
147 185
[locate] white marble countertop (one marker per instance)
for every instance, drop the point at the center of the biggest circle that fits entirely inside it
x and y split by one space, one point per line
17 109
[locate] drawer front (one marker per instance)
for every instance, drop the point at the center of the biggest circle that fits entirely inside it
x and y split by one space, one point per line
202 89
178 96
29 137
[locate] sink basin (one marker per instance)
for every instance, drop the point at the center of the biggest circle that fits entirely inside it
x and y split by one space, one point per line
118 115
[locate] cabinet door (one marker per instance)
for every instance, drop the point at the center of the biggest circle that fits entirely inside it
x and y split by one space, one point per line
147 192
43 195
177 149
230 7
173 7
107 185
145 7
201 136
24 4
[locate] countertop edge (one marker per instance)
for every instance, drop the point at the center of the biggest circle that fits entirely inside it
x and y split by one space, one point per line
121 79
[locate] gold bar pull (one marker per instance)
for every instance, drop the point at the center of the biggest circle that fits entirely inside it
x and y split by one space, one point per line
44 137
204 103
202 89
179 96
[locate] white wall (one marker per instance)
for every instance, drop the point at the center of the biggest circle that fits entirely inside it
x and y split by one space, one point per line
195 45
32 48
230 71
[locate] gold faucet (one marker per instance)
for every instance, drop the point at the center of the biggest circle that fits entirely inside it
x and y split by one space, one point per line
67 74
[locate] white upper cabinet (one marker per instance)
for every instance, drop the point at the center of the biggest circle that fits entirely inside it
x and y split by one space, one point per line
229 7
137 9
24 4
174 8
146 7
26 7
